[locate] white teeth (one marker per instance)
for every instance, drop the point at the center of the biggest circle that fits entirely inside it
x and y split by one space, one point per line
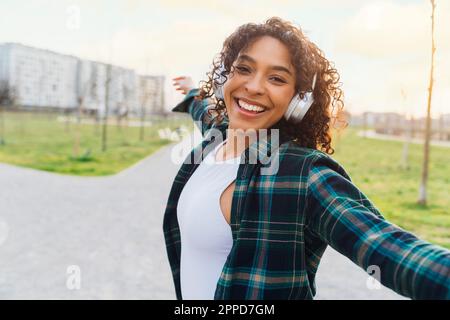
250 107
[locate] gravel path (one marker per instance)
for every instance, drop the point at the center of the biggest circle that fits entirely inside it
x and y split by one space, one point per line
110 230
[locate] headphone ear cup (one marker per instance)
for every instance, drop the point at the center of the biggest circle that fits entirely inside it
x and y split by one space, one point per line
298 107
292 106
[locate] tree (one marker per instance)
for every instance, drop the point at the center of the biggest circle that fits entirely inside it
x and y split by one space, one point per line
7 98
144 98
426 150
88 86
122 109
105 116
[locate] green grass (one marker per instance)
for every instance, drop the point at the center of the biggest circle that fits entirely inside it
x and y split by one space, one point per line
39 141
375 167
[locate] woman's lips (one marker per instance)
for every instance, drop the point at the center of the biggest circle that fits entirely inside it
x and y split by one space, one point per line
246 112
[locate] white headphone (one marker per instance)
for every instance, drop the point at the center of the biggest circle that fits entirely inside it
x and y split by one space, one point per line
297 107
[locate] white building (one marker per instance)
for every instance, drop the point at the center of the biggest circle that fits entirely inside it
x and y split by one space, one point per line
39 77
91 81
42 78
92 78
151 93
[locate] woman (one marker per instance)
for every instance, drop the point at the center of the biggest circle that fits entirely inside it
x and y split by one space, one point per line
258 230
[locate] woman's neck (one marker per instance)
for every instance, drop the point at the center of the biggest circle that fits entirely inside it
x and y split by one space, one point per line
236 142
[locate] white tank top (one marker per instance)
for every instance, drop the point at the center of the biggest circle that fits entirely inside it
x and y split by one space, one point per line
206 237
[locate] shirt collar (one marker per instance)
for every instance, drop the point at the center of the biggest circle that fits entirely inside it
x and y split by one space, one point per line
260 150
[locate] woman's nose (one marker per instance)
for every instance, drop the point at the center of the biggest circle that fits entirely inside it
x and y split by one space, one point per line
255 86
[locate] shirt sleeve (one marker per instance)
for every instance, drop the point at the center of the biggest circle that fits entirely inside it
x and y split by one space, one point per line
341 215
198 109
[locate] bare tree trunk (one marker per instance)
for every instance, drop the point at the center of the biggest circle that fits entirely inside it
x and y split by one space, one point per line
87 87
141 131
7 97
423 184
105 116
76 145
143 105
2 124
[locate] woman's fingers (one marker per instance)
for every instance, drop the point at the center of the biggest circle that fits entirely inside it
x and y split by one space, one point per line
176 84
182 90
183 84
178 81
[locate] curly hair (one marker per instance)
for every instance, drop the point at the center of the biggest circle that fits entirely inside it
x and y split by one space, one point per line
314 131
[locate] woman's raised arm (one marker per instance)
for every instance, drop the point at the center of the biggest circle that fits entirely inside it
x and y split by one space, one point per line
197 108
340 214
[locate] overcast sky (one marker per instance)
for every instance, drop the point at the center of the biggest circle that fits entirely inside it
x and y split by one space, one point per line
380 47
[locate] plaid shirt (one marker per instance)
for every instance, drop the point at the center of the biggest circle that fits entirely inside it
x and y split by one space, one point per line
282 223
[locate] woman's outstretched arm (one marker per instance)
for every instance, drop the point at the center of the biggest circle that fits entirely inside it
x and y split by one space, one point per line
197 108
340 214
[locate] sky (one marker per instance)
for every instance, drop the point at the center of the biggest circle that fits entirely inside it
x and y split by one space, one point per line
381 48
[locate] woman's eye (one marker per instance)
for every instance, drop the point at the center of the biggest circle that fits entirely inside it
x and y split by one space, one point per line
277 79
242 69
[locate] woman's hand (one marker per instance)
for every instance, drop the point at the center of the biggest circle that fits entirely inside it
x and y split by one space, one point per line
183 84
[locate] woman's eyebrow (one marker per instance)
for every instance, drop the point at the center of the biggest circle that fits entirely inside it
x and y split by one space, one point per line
246 57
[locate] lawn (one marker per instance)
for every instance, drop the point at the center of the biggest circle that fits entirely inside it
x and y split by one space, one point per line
375 167
39 141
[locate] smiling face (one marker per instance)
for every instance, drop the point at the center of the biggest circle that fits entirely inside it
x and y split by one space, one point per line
258 93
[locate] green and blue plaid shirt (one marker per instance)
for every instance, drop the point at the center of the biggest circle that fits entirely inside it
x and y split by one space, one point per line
282 223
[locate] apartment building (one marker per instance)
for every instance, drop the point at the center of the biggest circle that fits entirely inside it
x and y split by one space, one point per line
42 78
